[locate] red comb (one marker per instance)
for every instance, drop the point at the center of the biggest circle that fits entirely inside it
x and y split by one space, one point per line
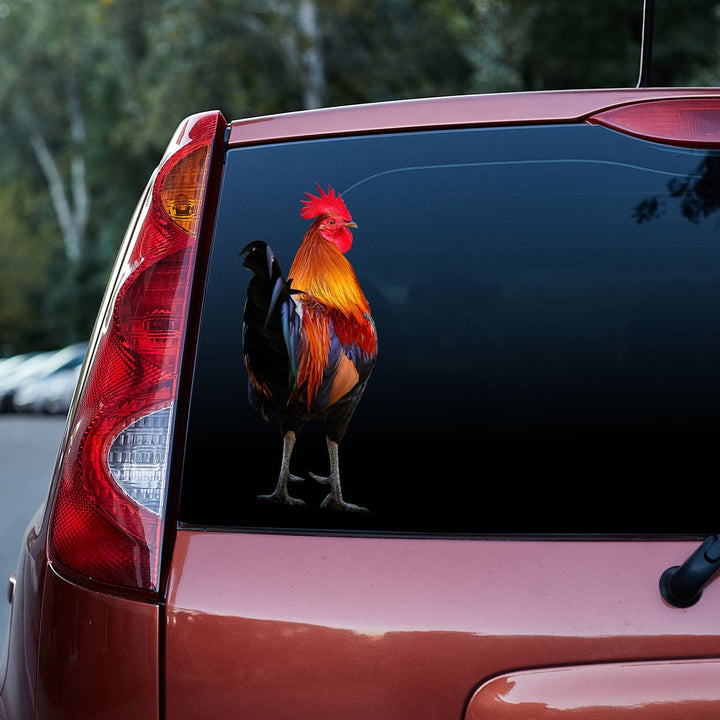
325 204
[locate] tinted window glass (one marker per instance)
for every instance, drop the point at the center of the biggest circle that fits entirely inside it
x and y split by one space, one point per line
547 309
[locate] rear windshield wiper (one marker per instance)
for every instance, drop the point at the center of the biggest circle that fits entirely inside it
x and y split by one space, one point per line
682 585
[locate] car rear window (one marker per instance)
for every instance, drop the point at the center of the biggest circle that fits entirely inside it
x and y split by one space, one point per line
546 302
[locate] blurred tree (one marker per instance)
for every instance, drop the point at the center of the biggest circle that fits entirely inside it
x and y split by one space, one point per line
390 49
26 264
686 43
496 49
45 104
554 44
50 115
91 92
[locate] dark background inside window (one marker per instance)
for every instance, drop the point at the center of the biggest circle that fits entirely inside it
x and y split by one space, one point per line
547 307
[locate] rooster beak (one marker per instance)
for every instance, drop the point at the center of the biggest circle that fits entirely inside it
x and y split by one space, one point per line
351 224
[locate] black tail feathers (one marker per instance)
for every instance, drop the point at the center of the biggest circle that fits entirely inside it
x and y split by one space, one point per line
271 325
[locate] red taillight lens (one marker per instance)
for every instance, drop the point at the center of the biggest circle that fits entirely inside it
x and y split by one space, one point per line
107 518
690 122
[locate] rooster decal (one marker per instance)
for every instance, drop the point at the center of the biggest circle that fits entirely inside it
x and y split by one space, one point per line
309 342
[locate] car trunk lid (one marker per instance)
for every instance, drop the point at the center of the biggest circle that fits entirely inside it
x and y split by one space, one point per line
286 626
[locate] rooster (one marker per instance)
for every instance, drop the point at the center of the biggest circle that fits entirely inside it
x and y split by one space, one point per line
309 342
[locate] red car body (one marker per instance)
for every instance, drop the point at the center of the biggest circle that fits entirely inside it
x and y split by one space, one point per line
279 623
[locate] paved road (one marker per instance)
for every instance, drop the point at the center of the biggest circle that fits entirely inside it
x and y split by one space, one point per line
28 447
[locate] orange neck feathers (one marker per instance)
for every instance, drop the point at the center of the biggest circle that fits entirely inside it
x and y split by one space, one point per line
332 296
323 272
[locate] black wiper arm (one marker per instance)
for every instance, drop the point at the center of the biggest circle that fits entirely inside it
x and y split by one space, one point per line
682 585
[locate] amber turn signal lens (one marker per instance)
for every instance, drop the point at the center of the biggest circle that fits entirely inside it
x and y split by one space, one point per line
182 191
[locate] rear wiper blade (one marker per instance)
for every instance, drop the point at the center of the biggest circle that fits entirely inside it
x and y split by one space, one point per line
682 585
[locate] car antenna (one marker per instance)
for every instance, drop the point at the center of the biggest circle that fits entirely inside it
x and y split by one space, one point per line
646 43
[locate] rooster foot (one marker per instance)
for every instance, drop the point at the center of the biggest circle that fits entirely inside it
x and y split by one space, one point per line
319 478
334 503
334 500
281 496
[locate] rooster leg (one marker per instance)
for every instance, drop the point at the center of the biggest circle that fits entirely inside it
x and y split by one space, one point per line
334 499
281 494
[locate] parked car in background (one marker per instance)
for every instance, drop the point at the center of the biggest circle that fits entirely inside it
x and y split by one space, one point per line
25 381
396 411
22 369
10 364
51 394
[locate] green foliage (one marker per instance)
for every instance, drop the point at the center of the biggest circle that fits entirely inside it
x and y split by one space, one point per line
596 43
92 90
28 251
390 49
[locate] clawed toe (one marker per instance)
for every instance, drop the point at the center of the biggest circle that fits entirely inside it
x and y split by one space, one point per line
319 478
333 503
282 499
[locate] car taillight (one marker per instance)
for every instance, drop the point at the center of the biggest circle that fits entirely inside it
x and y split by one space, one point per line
689 122
107 518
